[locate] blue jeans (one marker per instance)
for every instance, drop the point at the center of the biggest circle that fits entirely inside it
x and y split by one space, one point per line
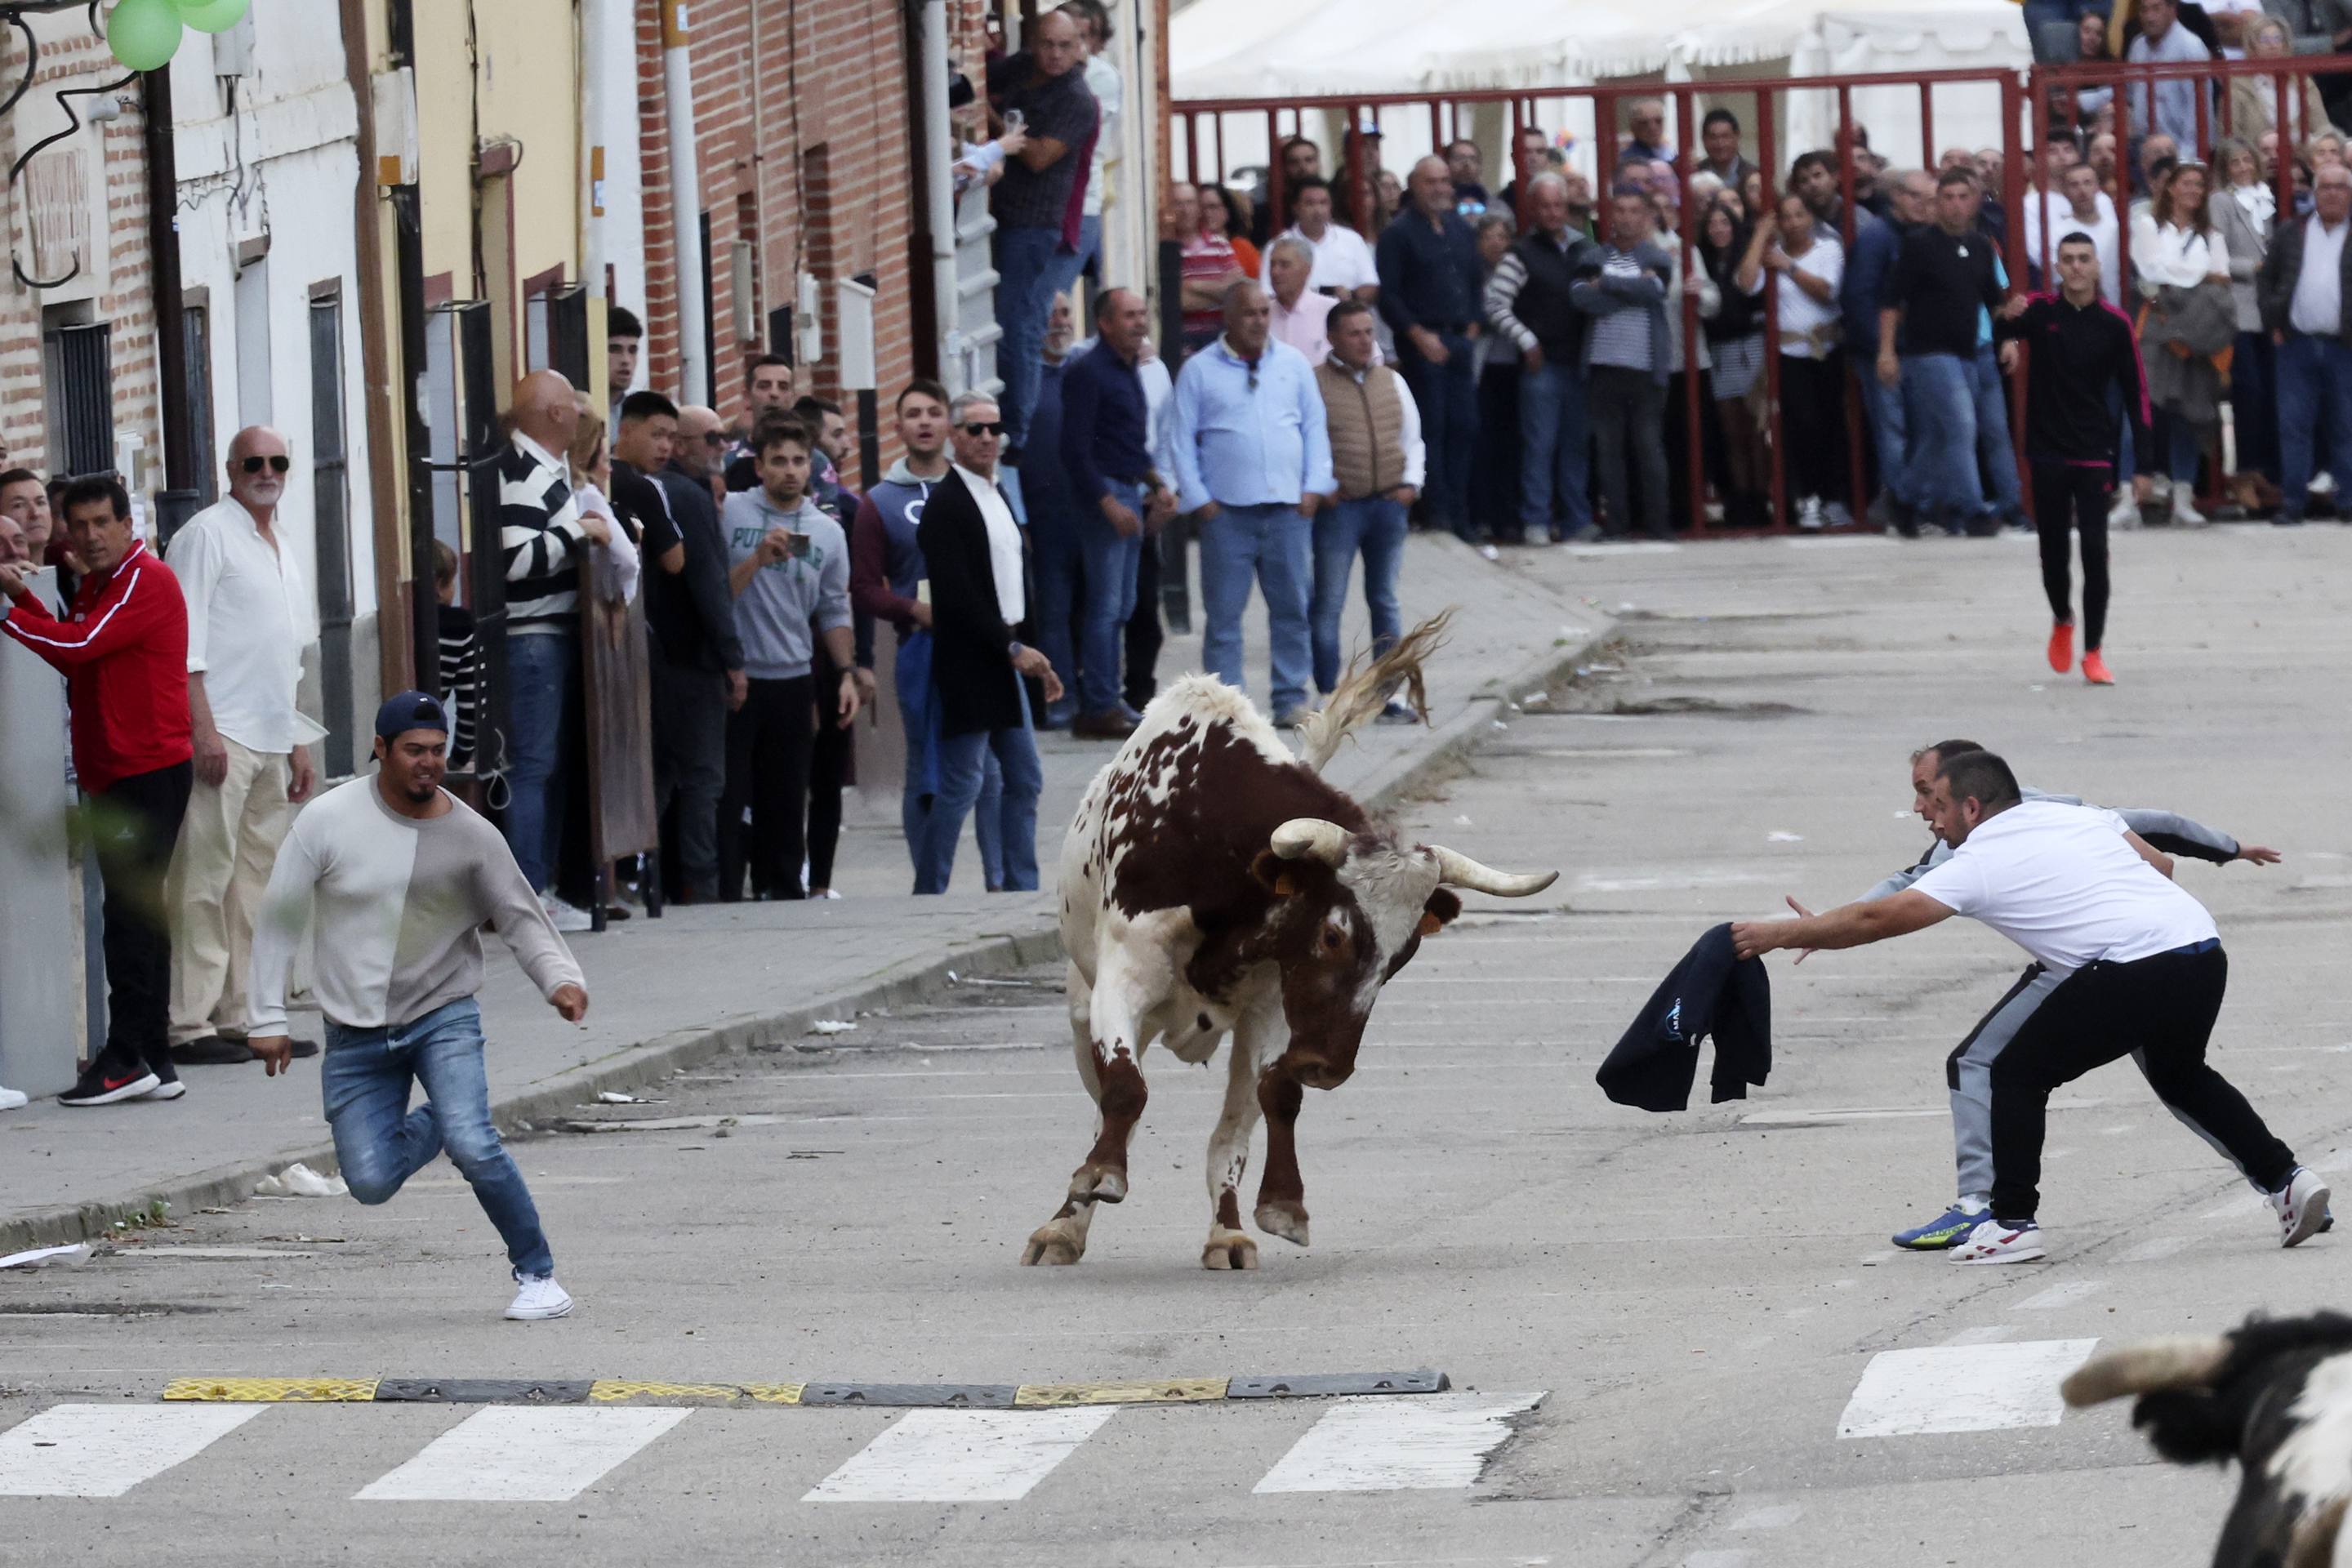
1376 526
1939 396
912 678
542 674
1028 260
1057 560
1447 396
2123 443
1994 453
1072 267
962 766
2315 410
380 1141
1273 546
1554 448
1110 565
2183 446
1889 430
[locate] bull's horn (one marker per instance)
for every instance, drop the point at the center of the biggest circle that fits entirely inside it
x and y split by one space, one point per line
1458 871
1312 838
2185 1360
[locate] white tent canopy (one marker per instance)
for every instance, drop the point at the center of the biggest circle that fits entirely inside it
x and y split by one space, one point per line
1293 48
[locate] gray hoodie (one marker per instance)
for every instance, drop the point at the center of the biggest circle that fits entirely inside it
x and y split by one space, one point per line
786 598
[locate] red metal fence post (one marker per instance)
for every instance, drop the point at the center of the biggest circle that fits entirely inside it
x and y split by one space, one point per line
1274 195
1694 221
1767 154
1849 224
2015 189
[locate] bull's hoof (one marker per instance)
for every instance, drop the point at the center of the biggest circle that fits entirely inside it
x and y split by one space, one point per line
1229 1249
1286 1220
1099 1185
1053 1243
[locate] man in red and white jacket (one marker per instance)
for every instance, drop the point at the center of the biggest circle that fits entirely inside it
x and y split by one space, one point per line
123 649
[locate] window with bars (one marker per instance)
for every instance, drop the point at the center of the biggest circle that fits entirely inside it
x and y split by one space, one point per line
330 510
78 386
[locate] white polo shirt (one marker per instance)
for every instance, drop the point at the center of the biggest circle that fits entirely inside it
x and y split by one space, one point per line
2061 882
250 616
1342 259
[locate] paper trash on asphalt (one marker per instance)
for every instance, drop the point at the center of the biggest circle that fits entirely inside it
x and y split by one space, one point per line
72 1257
831 1026
614 1097
298 1181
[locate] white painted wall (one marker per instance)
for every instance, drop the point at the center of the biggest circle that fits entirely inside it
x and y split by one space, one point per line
274 154
615 109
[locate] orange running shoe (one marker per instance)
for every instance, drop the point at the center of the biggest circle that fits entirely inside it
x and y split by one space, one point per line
2095 670
2061 646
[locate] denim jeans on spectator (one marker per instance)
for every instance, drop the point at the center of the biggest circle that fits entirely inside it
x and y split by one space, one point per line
1274 546
543 672
1373 527
2253 404
1056 562
1628 408
2124 453
1111 561
2315 409
911 677
1881 406
1942 408
1997 458
962 771
1447 396
1028 261
1090 251
1554 460
364 1079
2184 444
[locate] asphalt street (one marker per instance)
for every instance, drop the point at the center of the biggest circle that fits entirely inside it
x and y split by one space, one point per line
1673 1339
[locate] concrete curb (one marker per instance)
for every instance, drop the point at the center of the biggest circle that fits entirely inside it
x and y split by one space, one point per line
915 981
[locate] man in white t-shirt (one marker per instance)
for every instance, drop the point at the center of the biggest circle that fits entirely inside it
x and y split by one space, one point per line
1343 262
2144 970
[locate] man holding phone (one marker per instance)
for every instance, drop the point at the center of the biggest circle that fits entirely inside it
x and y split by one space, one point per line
789 568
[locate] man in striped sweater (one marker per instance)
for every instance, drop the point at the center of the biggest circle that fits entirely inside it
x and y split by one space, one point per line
542 534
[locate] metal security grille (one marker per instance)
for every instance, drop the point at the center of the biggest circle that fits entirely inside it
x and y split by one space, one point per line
567 332
78 371
330 506
197 331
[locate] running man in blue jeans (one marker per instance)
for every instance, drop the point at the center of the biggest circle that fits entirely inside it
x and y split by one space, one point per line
1378 458
401 876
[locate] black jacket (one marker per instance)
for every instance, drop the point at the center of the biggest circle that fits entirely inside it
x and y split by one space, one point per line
2080 353
971 646
691 612
2282 267
1709 993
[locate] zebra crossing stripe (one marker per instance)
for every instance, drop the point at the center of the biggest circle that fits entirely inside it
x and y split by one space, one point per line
1962 1388
523 1454
963 1456
104 1450
1437 1442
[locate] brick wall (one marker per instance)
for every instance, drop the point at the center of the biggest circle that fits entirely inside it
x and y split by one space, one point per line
804 129
128 301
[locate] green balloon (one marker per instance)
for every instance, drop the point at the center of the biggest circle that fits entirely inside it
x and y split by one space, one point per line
211 15
143 34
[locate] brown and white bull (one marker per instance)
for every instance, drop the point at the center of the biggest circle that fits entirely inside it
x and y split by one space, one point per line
1214 883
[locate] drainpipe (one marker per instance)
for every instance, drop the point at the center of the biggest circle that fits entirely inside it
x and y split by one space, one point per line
685 203
408 212
595 53
177 503
937 160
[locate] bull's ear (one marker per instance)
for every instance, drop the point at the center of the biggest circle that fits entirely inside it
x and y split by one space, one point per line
1439 913
1274 874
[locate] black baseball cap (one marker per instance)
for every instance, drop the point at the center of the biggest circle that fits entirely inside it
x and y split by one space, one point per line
409 710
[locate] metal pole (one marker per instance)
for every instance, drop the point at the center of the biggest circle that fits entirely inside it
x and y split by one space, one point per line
685 200
1273 189
1768 154
937 162
1849 221
2013 183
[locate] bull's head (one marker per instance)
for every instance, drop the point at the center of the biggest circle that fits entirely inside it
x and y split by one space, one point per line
2275 1396
1350 911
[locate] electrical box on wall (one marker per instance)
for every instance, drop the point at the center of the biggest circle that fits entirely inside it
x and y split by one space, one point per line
808 323
853 320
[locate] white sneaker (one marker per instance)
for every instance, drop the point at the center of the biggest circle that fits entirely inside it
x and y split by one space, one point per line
564 916
538 1298
828 894
1808 512
1837 515
1994 1242
1490 552
2323 484
2125 513
13 1100
2184 508
2301 1206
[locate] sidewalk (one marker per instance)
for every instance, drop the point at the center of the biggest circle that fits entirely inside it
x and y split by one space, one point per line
709 979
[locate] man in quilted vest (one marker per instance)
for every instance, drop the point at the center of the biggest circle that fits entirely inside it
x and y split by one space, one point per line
1378 460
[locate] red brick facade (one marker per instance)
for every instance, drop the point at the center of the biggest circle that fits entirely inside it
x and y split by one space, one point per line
127 302
812 161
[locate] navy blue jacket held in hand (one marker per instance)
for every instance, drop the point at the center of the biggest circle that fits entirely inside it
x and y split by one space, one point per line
1709 994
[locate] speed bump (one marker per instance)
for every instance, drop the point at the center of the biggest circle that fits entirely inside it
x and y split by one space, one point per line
1168 1391
273 1390
616 1391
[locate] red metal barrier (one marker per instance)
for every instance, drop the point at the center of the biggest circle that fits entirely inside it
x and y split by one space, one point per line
2025 126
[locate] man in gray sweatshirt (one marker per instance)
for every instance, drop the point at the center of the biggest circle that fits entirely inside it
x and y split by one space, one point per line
401 876
789 567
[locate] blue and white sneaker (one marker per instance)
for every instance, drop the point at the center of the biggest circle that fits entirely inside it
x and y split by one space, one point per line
1945 1231
2000 1241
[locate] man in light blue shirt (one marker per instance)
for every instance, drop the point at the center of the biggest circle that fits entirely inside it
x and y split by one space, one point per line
2163 40
1253 463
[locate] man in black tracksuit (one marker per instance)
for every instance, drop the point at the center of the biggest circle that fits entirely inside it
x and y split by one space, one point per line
2080 345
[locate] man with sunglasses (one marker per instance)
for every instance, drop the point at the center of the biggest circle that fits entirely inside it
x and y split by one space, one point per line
250 614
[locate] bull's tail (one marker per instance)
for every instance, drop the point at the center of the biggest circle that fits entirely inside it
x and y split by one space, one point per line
1365 689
